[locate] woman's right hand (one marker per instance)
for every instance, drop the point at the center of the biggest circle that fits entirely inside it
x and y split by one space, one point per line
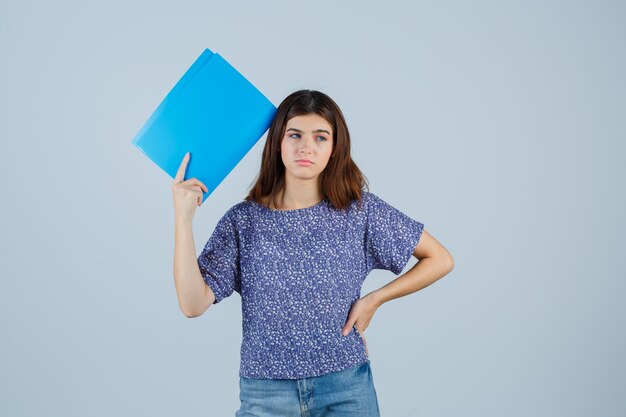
187 194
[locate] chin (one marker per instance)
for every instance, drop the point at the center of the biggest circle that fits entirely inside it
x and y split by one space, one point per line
305 176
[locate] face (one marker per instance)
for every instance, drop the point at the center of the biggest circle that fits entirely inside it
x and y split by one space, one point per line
307 137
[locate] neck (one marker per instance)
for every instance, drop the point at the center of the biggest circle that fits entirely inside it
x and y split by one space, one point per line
300 194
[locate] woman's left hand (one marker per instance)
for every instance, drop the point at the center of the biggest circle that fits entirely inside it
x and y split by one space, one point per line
360 315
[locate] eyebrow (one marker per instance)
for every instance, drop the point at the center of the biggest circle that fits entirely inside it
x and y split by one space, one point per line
314 131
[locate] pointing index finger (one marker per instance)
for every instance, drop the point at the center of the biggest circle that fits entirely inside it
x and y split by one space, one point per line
180 174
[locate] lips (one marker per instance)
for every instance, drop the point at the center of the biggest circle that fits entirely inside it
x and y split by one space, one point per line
304 160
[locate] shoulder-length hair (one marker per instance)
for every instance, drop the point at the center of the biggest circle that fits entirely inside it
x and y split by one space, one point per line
341 182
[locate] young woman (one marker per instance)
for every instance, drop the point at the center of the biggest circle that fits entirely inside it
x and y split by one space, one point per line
297 249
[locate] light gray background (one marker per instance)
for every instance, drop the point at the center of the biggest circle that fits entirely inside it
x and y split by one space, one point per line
499 125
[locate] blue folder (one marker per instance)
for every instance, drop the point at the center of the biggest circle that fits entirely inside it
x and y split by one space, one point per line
214 113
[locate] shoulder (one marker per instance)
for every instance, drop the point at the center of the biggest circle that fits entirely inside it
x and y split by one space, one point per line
371 200
359 207
362 204
377 206
369 196
232 216
242 213
238 210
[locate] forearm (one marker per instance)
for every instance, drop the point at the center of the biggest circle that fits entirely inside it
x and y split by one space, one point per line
422 274
190 286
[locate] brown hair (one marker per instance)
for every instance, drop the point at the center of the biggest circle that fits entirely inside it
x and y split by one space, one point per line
341 182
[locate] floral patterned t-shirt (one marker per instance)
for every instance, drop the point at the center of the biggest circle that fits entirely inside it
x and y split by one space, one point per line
298 272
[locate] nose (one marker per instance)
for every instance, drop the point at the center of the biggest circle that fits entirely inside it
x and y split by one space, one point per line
304 147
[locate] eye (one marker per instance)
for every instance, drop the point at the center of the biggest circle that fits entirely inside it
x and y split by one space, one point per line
297 134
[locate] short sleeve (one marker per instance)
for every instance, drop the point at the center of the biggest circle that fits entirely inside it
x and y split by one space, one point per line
219 260
391 236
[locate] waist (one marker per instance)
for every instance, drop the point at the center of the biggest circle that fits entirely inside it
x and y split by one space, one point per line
267 355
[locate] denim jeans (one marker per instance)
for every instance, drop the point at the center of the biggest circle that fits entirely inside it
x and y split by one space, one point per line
345 393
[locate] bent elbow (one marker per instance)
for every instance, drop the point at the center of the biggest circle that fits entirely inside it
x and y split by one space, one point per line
450 263
195 312
190 314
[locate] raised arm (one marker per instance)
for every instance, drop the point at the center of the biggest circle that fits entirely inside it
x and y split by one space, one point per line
194 296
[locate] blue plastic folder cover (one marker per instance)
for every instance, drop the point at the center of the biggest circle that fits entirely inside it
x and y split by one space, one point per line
214 113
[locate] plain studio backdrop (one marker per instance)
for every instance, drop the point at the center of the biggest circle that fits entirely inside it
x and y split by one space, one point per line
499 125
